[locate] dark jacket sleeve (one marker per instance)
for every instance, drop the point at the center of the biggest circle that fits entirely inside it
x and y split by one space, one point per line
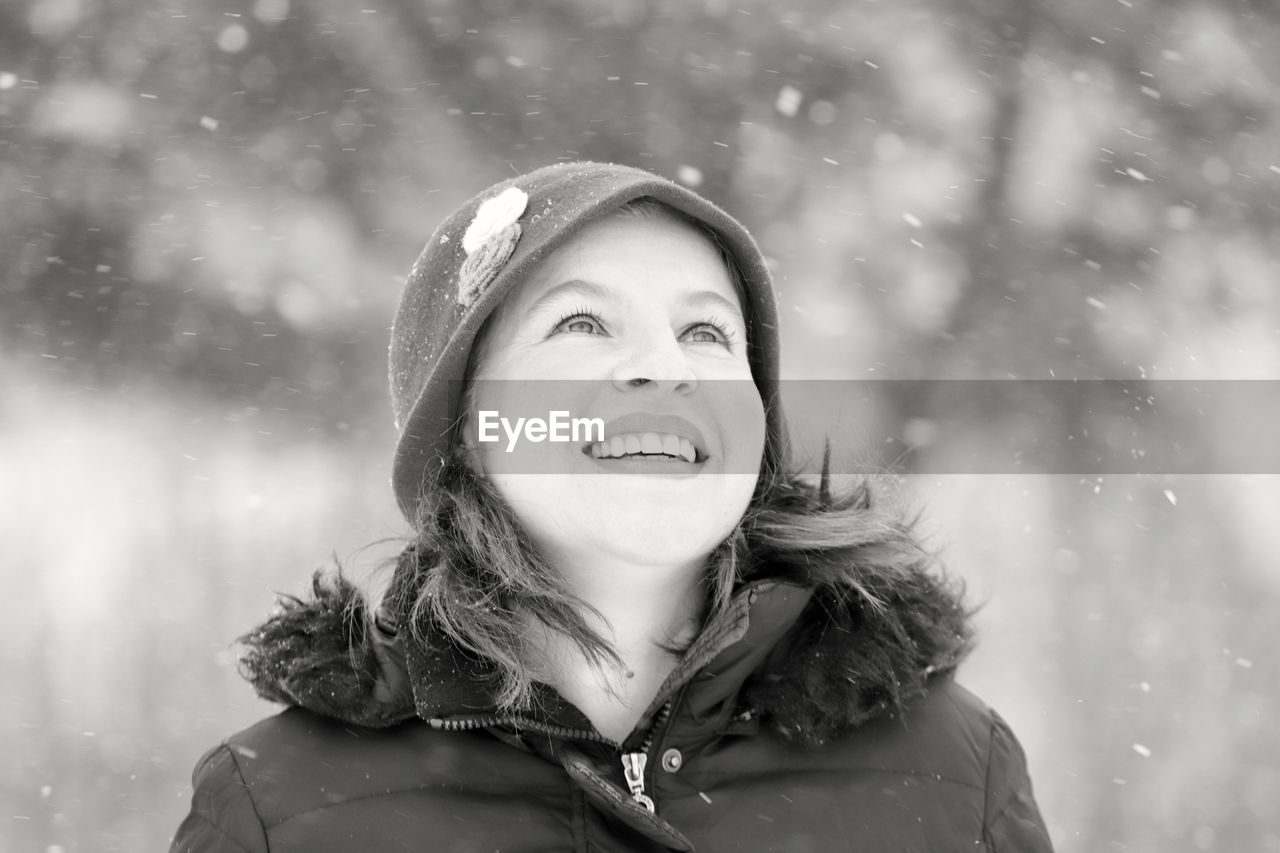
1011 820
223 818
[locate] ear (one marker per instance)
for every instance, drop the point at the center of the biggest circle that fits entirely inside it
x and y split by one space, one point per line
467 443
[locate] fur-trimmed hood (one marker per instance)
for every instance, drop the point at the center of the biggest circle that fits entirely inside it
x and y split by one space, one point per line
807 657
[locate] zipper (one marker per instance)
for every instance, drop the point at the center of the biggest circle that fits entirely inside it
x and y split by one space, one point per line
519 722
634 763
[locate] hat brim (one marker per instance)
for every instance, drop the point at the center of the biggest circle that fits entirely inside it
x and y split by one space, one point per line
583 195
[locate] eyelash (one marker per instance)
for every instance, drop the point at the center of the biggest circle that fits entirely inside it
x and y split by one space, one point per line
575 314
714 322
719 325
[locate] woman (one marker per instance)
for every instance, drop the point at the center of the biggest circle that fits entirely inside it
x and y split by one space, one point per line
658 638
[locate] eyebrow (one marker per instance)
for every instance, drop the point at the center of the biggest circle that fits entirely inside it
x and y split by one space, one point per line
575 286
712 296
589 289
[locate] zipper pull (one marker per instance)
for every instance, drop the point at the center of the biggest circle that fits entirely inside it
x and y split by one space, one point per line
633 771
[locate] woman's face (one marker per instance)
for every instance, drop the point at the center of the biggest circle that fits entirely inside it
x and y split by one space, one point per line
635 322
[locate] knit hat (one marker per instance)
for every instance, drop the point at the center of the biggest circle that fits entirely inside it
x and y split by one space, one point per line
485 248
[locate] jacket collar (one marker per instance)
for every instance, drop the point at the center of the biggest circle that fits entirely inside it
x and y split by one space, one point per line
809 659
443 684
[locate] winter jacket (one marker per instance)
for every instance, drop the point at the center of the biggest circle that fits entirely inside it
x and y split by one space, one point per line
799 720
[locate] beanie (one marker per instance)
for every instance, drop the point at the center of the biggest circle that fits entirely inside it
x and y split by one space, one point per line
490 244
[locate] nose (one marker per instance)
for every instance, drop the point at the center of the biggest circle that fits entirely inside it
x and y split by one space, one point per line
658 361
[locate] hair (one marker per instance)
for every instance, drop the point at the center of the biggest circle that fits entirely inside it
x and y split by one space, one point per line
477 578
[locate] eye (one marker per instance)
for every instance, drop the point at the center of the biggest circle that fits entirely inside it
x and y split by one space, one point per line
579 322
711 331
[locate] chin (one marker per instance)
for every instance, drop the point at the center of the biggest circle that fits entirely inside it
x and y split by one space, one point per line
664 532
643 520
637 531
657 544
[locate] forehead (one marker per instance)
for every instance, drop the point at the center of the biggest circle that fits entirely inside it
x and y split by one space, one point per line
634 250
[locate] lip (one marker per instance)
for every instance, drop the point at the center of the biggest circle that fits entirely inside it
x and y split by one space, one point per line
640 422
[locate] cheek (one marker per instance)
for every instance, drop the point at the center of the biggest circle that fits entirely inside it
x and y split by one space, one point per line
545 416
552 510
742 424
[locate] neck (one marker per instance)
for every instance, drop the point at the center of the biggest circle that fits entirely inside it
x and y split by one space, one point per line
641 609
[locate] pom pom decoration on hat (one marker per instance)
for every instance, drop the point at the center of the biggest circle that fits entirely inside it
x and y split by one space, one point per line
489 242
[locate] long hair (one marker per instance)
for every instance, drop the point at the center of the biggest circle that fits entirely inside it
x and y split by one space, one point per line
477 577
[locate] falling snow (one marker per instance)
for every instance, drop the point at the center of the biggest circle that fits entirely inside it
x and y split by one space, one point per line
209 212
788 100
689 175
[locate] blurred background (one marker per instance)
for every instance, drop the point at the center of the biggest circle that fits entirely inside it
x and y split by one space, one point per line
207 210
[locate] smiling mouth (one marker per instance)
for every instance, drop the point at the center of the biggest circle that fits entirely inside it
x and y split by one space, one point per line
656 446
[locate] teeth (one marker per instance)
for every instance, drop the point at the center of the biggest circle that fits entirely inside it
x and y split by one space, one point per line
649 444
